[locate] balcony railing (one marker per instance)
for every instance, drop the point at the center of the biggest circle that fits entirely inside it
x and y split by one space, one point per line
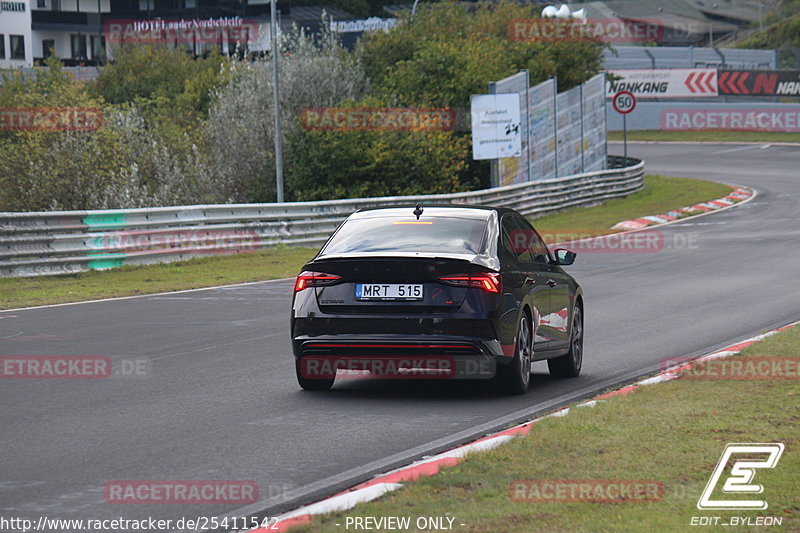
60 17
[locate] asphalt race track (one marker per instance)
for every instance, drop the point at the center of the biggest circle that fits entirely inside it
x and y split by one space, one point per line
219 400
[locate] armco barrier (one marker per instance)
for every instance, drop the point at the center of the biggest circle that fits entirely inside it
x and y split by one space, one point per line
60 242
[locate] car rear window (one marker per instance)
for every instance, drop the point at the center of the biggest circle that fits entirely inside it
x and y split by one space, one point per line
404 234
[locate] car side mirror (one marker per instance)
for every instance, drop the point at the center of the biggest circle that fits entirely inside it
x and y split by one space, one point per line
564 257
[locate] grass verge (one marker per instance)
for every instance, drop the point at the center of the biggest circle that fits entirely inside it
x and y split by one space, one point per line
707 135
281 262
673 433
660 195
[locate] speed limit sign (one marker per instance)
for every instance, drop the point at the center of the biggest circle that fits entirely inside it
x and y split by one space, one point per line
624 102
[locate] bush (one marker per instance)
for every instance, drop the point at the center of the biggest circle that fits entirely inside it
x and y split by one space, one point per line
314 72
335 164
49 87
169 86
124 163
781 32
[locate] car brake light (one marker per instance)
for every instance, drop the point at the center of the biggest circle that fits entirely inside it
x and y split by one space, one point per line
488 282
314 279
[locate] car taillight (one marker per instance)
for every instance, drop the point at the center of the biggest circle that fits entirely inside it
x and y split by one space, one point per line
488 281
314 279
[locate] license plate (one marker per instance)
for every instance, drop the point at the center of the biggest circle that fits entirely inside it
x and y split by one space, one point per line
388 291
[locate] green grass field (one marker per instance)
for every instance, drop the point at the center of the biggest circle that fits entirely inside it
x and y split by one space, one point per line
673 434
660 195
707 136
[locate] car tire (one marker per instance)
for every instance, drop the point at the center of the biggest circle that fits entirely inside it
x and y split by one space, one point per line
323 384
569 365
515 378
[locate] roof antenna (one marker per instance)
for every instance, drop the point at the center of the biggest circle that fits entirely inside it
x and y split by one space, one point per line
418 211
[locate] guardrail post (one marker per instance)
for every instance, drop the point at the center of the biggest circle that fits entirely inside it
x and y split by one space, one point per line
555 121
494 178
583 143
528 120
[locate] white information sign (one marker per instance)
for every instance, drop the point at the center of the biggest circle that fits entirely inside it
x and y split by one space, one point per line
496 126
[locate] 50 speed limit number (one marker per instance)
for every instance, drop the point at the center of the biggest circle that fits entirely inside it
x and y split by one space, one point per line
624 102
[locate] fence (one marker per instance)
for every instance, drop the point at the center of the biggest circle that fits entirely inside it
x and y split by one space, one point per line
62 242
562 134
623 57
79 73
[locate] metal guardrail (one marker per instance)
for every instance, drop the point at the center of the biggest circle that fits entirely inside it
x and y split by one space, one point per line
60 242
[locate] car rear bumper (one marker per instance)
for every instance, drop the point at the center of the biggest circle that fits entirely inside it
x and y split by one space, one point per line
466 357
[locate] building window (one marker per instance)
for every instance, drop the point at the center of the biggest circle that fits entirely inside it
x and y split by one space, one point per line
98 47
78 43
47 47
17 43
41 4
2 46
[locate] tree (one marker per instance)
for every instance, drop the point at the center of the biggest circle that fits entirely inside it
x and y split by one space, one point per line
446 52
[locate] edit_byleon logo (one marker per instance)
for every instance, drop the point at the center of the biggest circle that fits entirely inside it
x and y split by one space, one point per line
740 480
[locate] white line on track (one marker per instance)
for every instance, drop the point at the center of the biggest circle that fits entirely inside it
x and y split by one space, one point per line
741 149
144 295
709 142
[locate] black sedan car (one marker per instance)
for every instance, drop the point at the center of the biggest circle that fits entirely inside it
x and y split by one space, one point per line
441 291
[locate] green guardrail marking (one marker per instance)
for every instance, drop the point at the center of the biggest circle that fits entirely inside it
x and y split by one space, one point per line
116 220
101 260
102 263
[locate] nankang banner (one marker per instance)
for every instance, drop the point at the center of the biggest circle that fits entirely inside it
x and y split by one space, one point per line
664 82
759 82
